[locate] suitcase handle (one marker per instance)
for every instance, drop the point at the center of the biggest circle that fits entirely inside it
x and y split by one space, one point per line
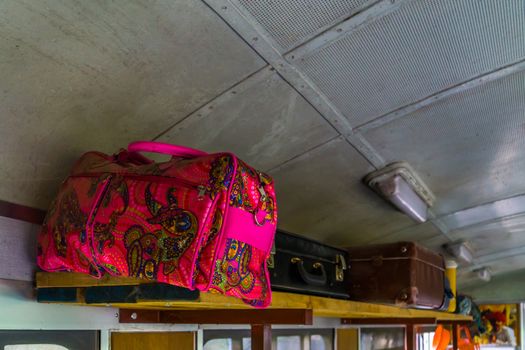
165 148
308 278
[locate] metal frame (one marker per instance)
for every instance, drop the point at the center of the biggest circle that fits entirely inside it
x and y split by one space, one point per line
251 33
219 316
313 36
354 23
259 320
467 85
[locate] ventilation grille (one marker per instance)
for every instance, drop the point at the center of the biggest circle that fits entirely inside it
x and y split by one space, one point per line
291 22
468 148
416 51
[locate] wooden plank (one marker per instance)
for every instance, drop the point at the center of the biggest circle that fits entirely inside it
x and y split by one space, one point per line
327 307
452 322
253 316
70 279
261 337
455 335
347 339
153 340
322 307
410 337
22 212
140 316
390 321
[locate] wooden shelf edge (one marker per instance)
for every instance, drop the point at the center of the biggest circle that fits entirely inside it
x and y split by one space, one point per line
322 307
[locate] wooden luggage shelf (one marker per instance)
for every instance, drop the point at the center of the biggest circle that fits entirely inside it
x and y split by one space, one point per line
75 285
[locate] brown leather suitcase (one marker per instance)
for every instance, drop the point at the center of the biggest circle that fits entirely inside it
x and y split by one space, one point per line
403 273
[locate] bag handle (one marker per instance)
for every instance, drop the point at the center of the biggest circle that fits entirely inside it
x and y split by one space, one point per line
308 278
165 148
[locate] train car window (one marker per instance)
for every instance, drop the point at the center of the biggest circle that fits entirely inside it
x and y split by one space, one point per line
319 342
425 336
282 339
289 342
246 343
219 344
392 338
49 340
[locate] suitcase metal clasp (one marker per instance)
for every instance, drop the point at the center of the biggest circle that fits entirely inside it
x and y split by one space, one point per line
340 268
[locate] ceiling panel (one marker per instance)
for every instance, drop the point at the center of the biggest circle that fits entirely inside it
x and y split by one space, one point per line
485 213
468 148
467 277
500 237
418 233
496 236
421 48
505 288
320 194
81 75
289 23
263 120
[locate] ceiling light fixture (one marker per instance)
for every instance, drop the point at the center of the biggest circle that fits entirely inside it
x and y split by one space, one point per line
483 274
460 250
400 185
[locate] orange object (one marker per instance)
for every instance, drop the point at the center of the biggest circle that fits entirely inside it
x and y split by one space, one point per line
441 338
437 336
465 341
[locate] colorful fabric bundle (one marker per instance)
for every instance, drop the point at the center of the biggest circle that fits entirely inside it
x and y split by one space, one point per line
200 221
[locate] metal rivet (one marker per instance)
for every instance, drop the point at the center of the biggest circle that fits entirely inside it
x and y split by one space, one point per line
255 38
404 249
339 30
134 316
224 7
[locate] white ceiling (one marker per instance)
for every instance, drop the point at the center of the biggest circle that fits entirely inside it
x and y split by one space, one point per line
317 93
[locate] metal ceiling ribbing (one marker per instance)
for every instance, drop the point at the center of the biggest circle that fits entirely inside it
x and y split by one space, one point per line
396 62
413 52
469 145
290 23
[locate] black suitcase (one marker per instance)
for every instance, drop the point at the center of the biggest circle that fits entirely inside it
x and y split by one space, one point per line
301 265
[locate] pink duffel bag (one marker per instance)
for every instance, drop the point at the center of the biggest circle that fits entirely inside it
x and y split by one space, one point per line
200 221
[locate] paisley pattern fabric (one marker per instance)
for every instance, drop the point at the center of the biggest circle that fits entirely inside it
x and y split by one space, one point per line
128 216
245 193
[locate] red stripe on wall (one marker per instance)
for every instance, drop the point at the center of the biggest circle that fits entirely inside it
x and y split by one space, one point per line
22 212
